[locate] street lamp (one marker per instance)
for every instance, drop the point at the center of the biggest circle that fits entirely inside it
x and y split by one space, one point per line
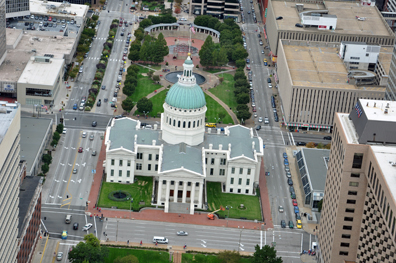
240 236
228 208
130 208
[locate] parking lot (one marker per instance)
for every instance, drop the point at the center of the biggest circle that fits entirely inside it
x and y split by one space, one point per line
43 23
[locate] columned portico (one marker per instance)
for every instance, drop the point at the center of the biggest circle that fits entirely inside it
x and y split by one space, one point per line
192 199
159 197
167 193
184 192
200 195
175 193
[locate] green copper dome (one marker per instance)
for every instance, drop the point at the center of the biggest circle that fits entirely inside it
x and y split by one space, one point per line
185 97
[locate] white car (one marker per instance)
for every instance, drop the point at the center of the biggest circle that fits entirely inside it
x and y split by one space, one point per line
266 120
64 130
260 119
84 134
182 233
87 227
280 209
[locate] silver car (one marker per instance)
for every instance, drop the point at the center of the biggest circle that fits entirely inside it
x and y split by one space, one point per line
182 233
59 256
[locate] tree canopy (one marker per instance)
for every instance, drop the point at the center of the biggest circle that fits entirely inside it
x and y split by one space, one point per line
88 251
267 254
144 105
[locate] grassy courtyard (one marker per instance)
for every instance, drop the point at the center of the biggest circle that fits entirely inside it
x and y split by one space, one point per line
146 256
140 191
225 91
158 102
202 258
216 199
214 109
145 85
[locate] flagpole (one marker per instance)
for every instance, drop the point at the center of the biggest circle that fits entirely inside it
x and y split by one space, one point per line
189 47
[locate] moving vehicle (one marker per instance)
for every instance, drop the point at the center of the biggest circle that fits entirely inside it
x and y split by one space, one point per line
84 134
160 240
59 256
91 137
182 233
64 130
87 227
283 224
75 226
94 124
260 119
80 150
93 153
327 138
64 234
75 170
280 209
266 120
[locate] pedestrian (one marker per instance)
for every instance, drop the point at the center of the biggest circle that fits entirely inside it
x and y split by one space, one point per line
97 208
100 209
141 242
156 243
128 242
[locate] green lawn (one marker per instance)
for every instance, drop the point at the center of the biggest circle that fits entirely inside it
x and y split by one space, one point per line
144 87
214 109
158 102
216 199
152 5
214 70
201 258
225 91
144 256
141 190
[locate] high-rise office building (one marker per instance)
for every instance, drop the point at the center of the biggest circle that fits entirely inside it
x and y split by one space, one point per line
16 8
3 44
391 87
359 208
10 119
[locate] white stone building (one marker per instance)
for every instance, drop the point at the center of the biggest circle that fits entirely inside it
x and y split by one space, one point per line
182 156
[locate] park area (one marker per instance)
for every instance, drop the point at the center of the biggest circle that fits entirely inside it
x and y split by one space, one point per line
139 192
146 256
217 199
225 91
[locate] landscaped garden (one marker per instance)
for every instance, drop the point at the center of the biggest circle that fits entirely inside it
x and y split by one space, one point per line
217 199
215 110
158 102
203 258
145 85
140 192
225 91
146 256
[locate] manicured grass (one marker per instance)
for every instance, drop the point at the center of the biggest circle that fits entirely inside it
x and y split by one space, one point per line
214 70
144 87
153 67
214 109
158 102
141 190
146 256
216 199
152 5
225 91
201 258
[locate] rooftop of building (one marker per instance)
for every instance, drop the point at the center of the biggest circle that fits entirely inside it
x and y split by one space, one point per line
123 131
32 133
317 64
375 110
40 8
7 115
316 165
385 57
42 73
26 194
346 13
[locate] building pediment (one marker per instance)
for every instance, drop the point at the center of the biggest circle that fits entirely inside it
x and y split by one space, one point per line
182 173
242 159
120 150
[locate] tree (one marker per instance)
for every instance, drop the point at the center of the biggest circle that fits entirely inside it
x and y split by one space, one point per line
95 17
156 78
242 98
179 1
222 58
139 34
59 128
229 257
327 146
127 104
127 259
241 83
128 89
239 53
239 75
240 63
310 145
177 10
144 105
243 115
47 158
145 23
242 107
206 52
45 168
212 22
134 55
89 251
202 20
266 254
56 136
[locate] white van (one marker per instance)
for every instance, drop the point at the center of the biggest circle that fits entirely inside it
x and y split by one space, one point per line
68 219
160 240
82 106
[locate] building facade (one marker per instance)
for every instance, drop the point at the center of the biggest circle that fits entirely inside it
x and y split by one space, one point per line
16 8
183 156
217 8
10 116
391 87
359 210
3 43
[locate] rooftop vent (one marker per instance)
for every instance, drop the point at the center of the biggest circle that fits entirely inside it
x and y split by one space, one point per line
386 111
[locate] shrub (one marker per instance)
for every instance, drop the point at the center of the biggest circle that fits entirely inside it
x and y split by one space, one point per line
93 91
59 128
100 66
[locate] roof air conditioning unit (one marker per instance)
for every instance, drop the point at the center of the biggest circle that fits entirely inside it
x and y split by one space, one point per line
387 105
386 111
393 164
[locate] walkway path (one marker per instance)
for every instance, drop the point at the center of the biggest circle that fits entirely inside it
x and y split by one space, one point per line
148 96
225 106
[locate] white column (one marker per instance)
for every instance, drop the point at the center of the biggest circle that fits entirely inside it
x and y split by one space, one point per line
167 196
192 198
200 195
175 191
184 191
159 192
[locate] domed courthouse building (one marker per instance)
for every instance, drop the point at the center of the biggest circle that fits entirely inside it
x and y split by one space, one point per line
181 156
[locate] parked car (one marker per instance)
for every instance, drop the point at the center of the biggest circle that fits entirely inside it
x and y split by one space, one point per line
299 224
296 210
64 130
284 155
283 224
294 201
286 162
91 137
291 225
289 181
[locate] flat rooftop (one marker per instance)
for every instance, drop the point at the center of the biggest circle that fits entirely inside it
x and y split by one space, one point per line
374 110
26 194
316 167
315 66
7 115
346 13
40 8
385 57
42 73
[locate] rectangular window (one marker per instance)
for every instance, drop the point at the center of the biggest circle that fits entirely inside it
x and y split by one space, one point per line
149 167
346 236
352 192
206 160
343 253
232 170
344 244
120 162
150 157
246 191
240 181
128 173
354 184
222 172
239 191
231 190
111 172
222 161
157 157
163 181
138 166
112 161
247 181
347 227
349 210
249 171
211 171
139 156
350 219
119 173
350 201
212 161
355 175
156 167
357 160
128 163
232 180
240 170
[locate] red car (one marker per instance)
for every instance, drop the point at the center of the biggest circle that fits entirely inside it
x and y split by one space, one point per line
124 58
49 18
80 150
254 109
294 202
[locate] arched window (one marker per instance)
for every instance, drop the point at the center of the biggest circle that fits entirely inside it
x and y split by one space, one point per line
189 124
194 124
174 122
184 124
170 121
166 118
197 123
178 124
